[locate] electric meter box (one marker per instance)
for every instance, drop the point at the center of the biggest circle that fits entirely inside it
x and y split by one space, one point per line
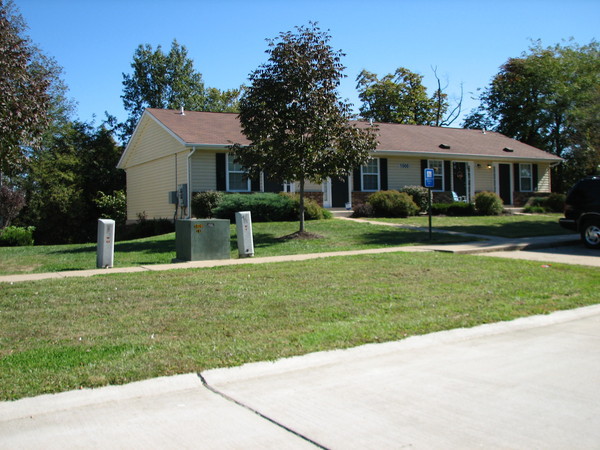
105 254
243 226
202 239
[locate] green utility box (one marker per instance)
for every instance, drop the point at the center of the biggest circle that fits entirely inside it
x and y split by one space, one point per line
202 239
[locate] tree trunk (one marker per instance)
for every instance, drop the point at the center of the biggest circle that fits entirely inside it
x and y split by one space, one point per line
301 209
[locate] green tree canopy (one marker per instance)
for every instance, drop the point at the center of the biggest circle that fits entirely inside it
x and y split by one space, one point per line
169 81
25 99
548 98
298 127
401 98
65 177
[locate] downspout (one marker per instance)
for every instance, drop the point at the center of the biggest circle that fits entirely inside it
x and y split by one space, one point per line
189 181
177 202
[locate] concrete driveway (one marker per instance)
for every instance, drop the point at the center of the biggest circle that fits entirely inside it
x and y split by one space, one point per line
570 254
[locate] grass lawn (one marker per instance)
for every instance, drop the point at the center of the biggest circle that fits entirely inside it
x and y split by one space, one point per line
508 226
58 335
338 235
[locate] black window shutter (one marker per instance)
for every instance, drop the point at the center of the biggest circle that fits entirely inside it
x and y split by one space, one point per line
516 176
423 167
534 174
383 174
447 176
357 183
255 184
221 175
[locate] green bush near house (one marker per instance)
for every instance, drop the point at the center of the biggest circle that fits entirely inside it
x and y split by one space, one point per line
419 194
488 204
555 202
204 203
16 236
454 209
267 207
393 204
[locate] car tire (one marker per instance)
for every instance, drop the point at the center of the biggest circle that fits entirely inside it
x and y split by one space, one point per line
590 234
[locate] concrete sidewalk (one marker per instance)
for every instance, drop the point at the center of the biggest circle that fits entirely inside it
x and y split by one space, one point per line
528 383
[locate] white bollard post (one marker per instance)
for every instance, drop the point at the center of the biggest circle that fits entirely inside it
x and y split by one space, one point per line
243 226
106 243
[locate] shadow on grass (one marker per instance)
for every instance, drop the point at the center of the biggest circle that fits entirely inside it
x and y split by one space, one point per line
511 230
158 247
396 237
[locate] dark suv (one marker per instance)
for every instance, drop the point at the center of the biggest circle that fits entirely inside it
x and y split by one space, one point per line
582 211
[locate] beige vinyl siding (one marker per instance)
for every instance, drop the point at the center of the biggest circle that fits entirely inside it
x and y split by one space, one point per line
204 171
544 184
403 172
148 187
483 177
155 141
311 187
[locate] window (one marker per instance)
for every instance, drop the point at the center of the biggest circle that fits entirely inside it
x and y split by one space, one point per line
370 175
438 174
237 180
525 177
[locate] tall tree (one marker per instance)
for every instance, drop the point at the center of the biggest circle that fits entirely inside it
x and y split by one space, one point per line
25 99
169 81
401 97
64 179
291 113
548 98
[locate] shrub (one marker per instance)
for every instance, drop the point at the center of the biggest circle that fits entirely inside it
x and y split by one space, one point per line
392 204
419 194
363 210
312 210
16 236
556 202
535 209
264 207
461 209
440 209
453 209
488 204
112 206
204 203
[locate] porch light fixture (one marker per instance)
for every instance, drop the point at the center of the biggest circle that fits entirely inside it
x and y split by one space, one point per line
489 166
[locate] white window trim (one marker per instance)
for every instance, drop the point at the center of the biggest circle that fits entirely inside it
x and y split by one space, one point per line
227 171
530 178
362 178
429 161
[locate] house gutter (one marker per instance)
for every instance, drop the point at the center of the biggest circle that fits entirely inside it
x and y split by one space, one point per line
431 155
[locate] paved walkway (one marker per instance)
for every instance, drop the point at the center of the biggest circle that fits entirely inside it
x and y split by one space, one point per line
529 383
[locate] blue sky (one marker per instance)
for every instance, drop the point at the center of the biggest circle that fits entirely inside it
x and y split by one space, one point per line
467 40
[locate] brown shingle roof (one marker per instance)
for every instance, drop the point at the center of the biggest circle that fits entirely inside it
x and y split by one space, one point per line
203 128
219 129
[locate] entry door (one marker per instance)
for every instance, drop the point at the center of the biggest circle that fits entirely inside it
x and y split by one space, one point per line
460 176
339 192
504 183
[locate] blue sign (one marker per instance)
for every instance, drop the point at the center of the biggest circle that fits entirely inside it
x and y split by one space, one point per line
429 180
